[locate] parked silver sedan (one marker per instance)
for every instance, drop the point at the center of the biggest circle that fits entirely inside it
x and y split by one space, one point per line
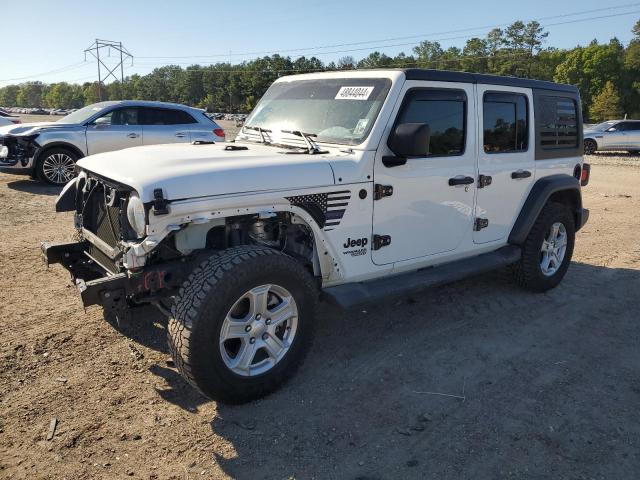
613 135
49 150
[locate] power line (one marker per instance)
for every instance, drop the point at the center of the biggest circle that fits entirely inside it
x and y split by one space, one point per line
37 75
265 52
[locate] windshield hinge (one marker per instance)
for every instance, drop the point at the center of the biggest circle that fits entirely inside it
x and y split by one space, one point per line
159 203
380 241
381 191
484 181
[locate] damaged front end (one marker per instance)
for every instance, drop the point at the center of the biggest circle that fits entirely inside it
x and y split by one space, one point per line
98 261
18 151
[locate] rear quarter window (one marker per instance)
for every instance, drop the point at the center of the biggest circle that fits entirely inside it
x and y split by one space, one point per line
558 123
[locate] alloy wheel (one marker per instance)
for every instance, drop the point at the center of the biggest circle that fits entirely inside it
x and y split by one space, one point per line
259 330
58 168
553 250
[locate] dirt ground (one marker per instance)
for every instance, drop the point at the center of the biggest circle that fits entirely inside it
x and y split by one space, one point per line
539 385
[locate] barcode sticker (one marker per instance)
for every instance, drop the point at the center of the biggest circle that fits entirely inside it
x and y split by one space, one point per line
354 93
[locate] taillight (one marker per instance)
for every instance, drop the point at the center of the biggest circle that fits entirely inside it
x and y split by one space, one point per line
586 173
218 132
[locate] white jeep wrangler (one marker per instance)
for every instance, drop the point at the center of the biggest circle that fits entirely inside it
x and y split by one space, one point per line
354 184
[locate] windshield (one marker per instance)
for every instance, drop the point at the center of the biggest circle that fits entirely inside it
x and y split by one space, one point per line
333 110
601 127
82 115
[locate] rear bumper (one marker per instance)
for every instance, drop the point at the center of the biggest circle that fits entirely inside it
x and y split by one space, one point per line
582 216
97 286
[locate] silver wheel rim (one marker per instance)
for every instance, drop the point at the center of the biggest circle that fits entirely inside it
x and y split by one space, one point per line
58 168
258 330
554 248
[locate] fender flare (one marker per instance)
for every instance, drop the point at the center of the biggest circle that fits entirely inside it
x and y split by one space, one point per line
563 187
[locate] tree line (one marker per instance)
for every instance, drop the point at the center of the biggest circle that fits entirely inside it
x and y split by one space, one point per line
607 75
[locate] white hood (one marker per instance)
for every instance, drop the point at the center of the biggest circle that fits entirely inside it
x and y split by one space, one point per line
188 171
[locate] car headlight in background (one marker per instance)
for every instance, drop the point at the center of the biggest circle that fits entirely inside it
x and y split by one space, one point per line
136 215
4 151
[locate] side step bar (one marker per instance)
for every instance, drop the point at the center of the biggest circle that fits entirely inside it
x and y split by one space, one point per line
352 294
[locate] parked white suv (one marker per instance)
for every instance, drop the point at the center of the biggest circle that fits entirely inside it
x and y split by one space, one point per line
49 150
350 183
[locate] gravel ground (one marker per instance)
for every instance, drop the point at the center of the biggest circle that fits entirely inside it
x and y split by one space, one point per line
539 385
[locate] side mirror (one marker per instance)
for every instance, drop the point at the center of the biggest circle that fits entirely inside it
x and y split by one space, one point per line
612 129
410 140
102 121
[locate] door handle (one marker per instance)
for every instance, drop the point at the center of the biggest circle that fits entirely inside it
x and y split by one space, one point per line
520 174
180 135
133 135
460 180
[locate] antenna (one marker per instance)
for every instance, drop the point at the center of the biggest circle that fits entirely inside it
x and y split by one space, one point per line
94 50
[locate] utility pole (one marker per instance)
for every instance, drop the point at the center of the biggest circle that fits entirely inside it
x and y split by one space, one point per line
94 50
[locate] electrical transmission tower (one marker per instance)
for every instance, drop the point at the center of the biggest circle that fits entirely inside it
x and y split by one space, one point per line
95 50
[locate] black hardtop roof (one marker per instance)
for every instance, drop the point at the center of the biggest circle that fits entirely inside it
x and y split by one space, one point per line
464 77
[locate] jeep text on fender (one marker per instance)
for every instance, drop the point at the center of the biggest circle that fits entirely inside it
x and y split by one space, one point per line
349 183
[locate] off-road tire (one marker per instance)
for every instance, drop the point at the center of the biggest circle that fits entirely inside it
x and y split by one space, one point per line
527 272
590 146
204 301
40 174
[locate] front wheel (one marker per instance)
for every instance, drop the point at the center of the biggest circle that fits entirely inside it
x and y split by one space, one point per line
57 166
590 146
547 251
242 323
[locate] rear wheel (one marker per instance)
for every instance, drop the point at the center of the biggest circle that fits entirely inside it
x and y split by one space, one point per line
590 146
243 323
57 166
547 251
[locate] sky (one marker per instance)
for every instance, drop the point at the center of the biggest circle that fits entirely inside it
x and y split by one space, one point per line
47 44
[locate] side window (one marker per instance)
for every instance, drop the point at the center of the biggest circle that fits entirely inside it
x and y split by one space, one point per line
166 116
628 126
119 116
557 122
444 110
505 124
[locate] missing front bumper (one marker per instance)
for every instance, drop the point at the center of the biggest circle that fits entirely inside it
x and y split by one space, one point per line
98 286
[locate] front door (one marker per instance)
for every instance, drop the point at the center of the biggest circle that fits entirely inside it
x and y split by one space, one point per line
506 165
430 209
114 130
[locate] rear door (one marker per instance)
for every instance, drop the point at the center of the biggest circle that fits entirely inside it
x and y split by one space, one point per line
115 130
166 125
506 164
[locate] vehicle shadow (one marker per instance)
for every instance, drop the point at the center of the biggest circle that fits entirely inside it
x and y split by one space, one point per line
34 186
449 383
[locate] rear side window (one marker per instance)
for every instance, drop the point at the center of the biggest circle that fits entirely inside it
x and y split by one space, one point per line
628 126
166 116
557 122
444 110
505 124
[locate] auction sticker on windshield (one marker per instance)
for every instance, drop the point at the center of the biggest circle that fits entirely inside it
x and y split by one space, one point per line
354 93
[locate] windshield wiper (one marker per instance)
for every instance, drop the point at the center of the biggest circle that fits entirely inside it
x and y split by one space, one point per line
260 130
312 147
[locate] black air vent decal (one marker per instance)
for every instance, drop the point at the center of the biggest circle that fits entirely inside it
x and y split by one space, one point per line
327 209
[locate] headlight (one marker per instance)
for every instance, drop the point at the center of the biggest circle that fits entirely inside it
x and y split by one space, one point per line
136 215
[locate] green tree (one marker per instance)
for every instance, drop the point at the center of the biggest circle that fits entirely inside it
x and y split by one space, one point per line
606 105
30 94
9 95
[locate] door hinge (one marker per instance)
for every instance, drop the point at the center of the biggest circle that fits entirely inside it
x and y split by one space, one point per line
480 223
381 191
484 181
380 241
159 203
